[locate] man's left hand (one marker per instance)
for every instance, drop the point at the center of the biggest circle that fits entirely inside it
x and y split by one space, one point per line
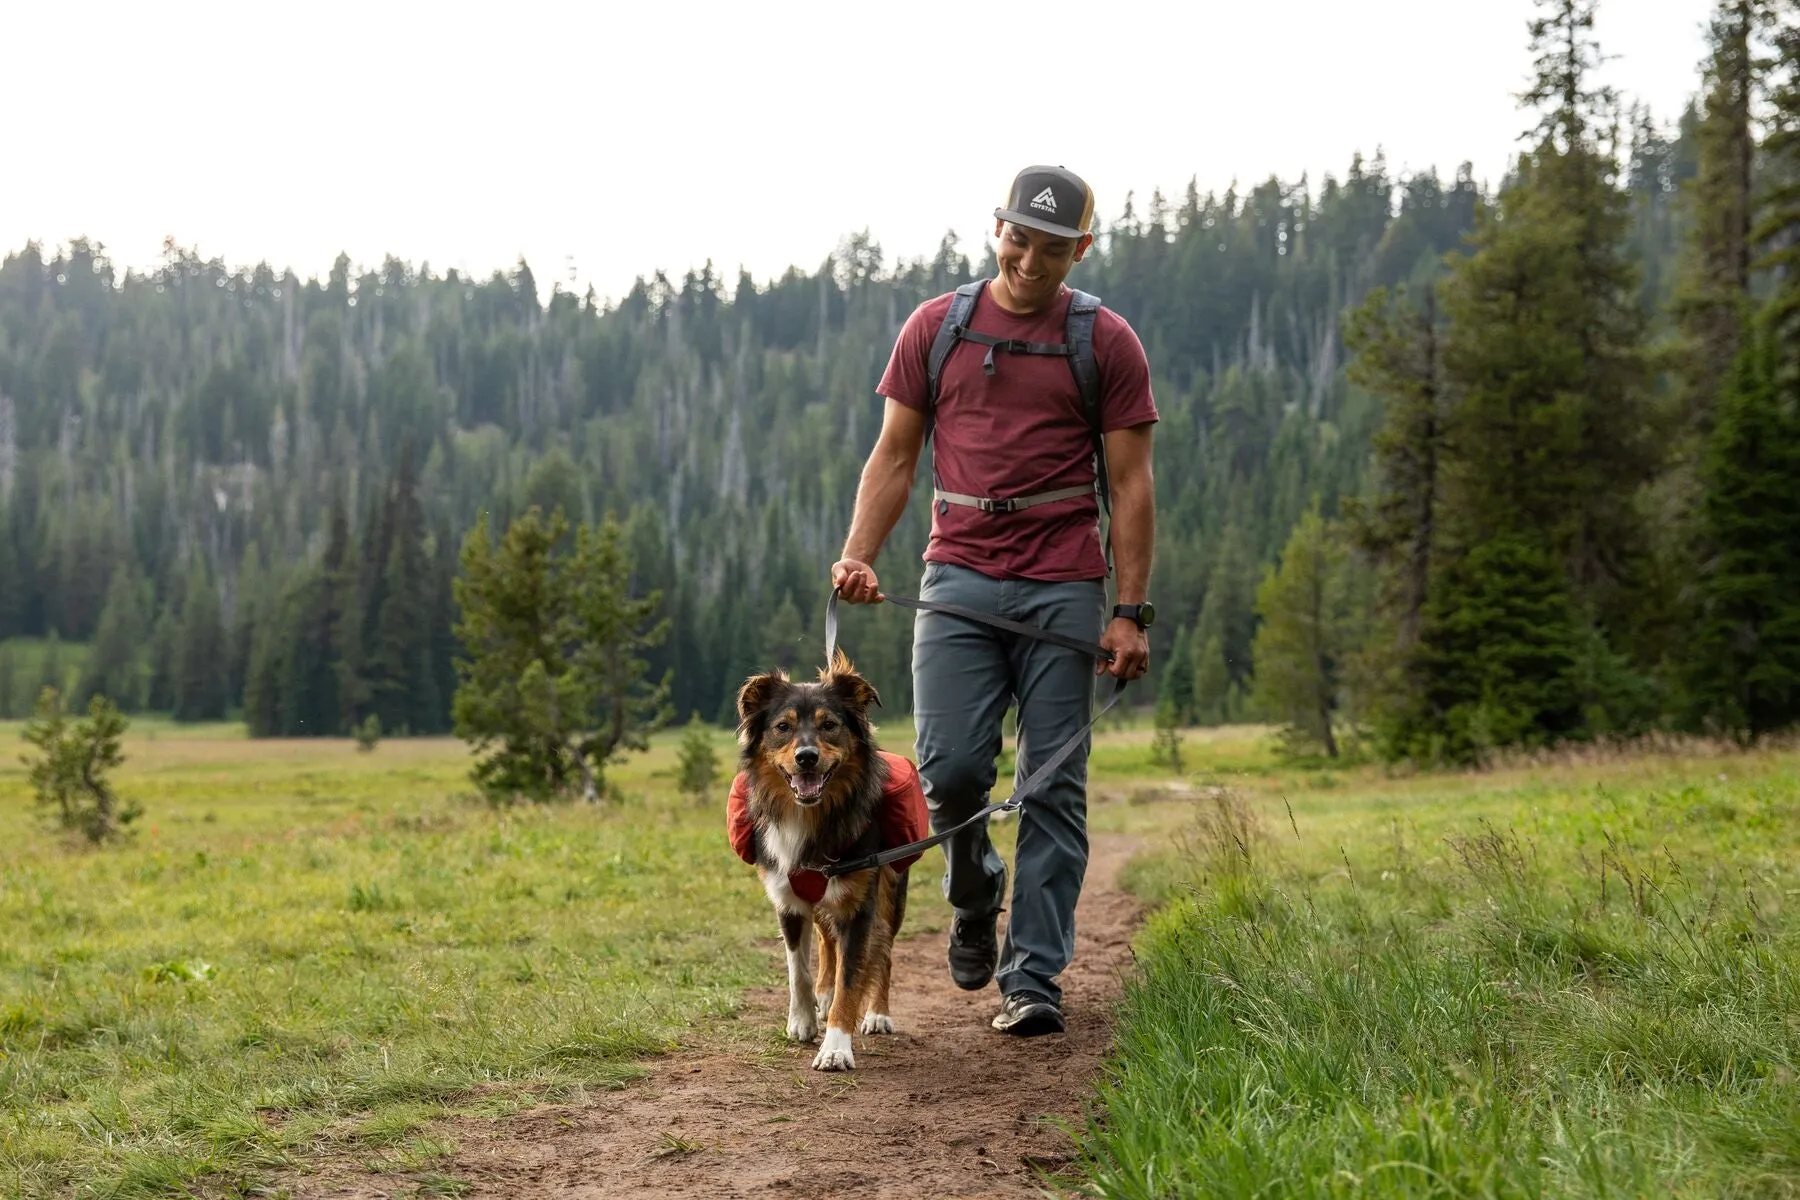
1130 647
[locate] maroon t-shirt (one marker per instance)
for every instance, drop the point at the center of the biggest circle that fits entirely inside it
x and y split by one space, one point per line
1018 432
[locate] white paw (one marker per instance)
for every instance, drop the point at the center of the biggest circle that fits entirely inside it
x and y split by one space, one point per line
835 1054
823 1008
803 1025
876 1023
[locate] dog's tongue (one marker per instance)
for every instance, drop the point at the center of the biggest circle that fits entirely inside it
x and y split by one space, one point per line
808 784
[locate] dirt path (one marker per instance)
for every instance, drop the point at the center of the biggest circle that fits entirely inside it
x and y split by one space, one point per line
944 1108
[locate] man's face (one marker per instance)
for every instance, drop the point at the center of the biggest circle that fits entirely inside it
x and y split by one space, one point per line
1033 265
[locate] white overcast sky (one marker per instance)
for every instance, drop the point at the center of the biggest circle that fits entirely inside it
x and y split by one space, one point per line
609 139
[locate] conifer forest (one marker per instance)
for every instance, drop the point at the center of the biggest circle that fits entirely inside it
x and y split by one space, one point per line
1444 464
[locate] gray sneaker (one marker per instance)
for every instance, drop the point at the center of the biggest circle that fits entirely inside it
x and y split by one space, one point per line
974 949
1027 1014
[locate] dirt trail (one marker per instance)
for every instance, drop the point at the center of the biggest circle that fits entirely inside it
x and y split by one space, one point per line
943 1108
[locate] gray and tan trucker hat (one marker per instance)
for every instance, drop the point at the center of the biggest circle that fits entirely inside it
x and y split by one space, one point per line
1051 199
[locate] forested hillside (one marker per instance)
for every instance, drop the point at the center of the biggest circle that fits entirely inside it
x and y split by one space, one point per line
249 488
246 490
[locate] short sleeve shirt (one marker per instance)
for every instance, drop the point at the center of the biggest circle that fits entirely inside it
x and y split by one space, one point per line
1018 432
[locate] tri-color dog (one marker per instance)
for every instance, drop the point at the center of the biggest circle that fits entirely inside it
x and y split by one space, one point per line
814 789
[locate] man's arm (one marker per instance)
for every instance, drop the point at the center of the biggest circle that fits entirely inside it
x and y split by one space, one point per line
1133 542
881 497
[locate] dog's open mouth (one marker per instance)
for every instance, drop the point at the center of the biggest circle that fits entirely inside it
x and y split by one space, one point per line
809 785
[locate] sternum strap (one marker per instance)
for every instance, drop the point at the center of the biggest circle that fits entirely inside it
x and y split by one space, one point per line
1014 503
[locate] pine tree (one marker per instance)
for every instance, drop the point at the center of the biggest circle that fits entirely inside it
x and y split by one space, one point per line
163 637
1176 684
1214 691
115 665
1501 647
1712 298
1307 633
554 684
200 652
1744 672
403 685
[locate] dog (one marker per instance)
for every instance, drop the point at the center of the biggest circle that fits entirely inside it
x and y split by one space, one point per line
814 788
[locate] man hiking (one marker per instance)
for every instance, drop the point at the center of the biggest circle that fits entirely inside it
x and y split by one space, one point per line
1015 532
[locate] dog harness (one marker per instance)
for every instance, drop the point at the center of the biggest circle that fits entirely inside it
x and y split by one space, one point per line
903 818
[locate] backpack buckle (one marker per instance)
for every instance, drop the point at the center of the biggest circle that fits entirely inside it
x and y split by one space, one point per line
990 505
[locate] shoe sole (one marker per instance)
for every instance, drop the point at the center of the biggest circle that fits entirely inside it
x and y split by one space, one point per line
1034 1022
971 985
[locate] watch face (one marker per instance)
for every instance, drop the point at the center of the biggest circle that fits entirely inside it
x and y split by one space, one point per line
1146 614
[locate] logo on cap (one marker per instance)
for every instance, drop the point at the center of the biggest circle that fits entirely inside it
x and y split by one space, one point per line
1045 200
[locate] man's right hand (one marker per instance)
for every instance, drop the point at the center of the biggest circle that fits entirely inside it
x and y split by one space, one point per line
856 582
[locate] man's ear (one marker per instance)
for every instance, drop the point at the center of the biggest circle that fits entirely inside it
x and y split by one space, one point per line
1081 247
756 693
857 692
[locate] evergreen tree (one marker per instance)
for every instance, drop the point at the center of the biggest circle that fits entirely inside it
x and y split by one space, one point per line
1307 633
163 637
200 647
1711 301
115 665
9 681
1501 646
554 686
1744 672
1215 695
403 684
1176 683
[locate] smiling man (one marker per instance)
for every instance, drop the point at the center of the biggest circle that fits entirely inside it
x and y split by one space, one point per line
1036 396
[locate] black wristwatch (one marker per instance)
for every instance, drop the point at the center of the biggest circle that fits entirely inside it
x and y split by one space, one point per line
1142 615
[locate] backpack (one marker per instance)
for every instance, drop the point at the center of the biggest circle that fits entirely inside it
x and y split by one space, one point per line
1077 347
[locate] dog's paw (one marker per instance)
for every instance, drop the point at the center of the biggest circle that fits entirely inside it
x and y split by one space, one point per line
876 1023
823 1008
803 1025
835 1054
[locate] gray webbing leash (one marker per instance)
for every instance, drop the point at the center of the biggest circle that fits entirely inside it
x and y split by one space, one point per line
1013 802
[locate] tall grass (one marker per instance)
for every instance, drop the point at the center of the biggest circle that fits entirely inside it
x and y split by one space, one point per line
1602 999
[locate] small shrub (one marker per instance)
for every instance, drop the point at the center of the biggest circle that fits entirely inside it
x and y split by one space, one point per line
697 768
1165 747
69 776
368 733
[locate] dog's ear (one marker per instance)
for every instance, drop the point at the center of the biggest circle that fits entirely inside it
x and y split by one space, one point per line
756 693
855 691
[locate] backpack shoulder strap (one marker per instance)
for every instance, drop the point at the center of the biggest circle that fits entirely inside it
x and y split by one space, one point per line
955 324
1083 309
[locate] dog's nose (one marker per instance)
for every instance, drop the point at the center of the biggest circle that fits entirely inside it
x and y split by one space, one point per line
806 758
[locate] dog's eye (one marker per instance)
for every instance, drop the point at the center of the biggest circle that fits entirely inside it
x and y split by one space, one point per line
828 725
783 727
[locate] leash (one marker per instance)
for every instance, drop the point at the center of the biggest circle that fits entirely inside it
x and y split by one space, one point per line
1013 802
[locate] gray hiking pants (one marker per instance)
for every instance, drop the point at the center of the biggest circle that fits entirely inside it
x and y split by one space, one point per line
964 677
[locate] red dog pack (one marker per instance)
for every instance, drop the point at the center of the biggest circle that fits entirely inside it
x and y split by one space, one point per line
904 818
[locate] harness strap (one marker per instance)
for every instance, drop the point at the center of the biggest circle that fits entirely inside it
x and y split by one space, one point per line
1013 802
1012 504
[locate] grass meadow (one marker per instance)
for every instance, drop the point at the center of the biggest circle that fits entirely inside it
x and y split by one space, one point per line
309 949
1565 978
1579 977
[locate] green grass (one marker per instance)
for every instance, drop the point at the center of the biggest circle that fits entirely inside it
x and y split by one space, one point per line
306 950
1572 980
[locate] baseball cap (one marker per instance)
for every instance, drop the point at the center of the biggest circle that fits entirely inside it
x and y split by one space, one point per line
1051 199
